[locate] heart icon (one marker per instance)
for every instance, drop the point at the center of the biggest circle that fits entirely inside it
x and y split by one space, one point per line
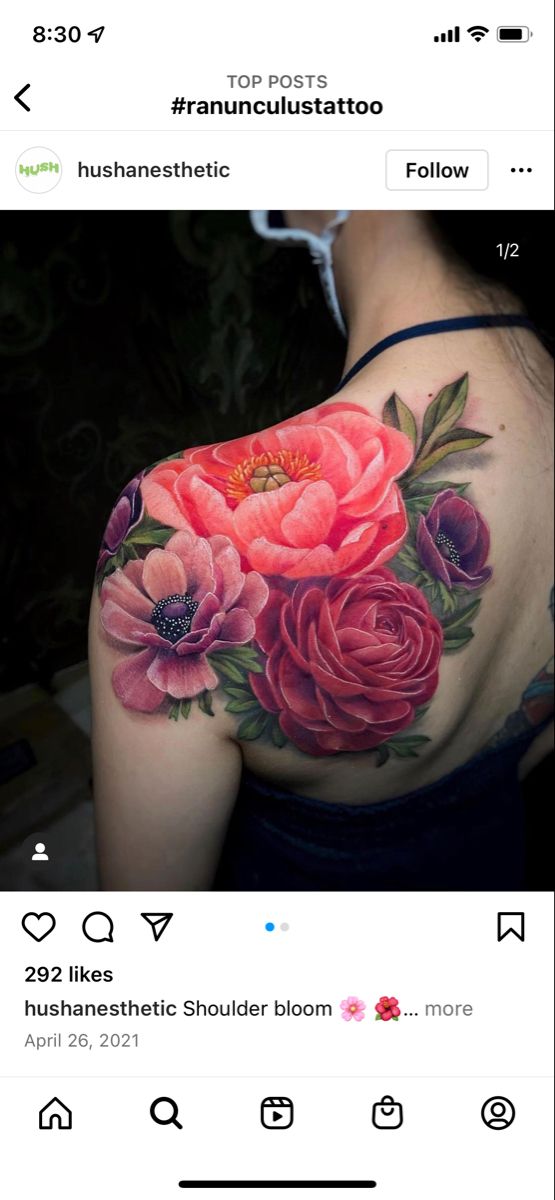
38 925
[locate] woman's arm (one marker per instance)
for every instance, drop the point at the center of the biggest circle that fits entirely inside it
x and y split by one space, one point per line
164 792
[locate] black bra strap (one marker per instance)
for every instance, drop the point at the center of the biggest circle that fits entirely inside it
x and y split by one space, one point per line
449 325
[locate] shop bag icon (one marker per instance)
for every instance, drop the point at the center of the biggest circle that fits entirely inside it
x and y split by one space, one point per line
387 1114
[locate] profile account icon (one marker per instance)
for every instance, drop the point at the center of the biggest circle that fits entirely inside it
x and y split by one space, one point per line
498 1112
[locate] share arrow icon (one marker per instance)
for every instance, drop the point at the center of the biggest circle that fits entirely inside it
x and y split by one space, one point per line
158 923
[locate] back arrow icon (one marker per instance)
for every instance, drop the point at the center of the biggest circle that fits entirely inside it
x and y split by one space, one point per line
18 96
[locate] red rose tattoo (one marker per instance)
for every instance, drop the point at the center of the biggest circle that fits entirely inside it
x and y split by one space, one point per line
349 660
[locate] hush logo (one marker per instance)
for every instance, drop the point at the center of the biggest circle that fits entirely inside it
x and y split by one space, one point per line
45 166
38 169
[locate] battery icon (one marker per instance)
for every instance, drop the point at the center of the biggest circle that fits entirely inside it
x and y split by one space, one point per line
513 33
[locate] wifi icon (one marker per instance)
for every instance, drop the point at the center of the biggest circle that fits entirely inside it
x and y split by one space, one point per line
477 32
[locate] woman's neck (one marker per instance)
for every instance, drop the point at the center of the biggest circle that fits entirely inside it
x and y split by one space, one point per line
390 274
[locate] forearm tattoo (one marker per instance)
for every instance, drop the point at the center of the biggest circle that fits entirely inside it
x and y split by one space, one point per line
314 573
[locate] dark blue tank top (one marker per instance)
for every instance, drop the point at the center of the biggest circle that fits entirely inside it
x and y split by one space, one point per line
464 832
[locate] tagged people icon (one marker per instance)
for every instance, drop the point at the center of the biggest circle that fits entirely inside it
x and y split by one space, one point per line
40 854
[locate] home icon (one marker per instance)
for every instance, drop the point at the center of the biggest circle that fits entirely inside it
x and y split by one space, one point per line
55 1115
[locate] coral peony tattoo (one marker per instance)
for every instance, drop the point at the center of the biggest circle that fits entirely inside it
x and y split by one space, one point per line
314 573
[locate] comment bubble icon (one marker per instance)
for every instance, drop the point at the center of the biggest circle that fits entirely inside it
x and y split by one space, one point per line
98 927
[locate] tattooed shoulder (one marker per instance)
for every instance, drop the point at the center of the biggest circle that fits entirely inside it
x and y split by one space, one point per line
315 573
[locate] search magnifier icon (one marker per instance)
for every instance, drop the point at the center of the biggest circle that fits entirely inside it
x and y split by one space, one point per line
165 1117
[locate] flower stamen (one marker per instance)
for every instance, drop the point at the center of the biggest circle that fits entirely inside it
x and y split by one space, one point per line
447 548
172 616
268 471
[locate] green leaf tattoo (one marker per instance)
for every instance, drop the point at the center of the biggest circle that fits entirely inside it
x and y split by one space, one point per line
397 415
444 412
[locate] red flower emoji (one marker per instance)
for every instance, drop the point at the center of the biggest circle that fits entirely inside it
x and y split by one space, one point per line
387 1009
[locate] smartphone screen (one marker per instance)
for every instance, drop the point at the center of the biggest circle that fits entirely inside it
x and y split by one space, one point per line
276 710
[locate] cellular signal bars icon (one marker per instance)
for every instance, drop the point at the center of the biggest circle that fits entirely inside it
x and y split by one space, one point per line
451 35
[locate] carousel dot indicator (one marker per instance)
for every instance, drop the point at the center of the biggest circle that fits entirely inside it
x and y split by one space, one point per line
269 926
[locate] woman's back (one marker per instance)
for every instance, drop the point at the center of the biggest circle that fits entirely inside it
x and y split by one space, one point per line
487 505
352 605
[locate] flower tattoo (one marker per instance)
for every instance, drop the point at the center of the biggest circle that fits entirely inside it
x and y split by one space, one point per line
348 661
313 496
174 609
453 542
124 517
309 573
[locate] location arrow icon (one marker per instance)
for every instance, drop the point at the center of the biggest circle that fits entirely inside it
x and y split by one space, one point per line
158 923
19 94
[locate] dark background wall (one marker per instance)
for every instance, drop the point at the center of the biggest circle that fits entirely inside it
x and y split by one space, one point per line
126 336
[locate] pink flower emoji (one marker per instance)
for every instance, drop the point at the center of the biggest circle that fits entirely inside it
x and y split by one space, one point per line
353 1009
387 1009
172 609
